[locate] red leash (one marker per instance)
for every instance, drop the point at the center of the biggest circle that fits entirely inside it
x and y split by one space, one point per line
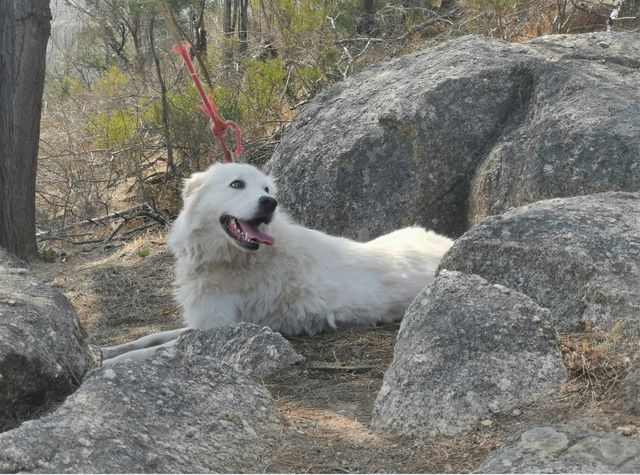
218 125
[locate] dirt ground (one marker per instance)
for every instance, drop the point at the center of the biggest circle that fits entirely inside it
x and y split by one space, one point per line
122 290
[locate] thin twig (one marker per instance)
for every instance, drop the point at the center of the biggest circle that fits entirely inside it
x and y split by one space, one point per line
115 231
424 25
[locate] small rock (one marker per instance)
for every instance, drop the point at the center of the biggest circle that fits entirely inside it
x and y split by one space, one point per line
516 412
626 430
486 423
257 351
564 449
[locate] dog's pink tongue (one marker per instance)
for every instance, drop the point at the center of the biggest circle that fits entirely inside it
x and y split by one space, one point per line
252 232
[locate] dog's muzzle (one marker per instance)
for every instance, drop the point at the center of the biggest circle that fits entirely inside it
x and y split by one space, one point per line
246 233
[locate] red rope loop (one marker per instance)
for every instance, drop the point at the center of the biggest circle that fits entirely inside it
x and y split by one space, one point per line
219 126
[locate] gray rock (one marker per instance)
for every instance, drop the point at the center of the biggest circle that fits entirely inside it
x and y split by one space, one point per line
579 257
401 142
578 133
43 350
179 414
564 449
257 351
629 391
466 349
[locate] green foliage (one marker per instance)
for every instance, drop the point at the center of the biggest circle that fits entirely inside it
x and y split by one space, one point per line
189 127
263 86
144 252
113 83
48 255
310 74
302 17
109 89
61 88
185 99
114 128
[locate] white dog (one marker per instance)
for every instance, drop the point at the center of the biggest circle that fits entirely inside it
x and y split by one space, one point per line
239 259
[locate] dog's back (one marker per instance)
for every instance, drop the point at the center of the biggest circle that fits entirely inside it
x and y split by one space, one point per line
382 277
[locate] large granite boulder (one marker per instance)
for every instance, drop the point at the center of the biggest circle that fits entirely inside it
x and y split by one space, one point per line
466 349
579 257
171 413
579 131
257 351
448 135
564 449
43 349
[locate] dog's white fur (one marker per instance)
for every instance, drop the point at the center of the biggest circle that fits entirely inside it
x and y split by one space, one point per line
306 282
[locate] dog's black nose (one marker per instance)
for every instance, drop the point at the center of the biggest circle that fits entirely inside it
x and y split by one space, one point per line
267 204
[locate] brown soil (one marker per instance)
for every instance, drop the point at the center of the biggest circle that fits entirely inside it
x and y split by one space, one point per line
122 290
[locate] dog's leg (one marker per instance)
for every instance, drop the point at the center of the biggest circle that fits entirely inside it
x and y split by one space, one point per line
136 355
148 341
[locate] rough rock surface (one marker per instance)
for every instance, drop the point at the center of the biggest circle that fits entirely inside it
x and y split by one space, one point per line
466 349
401 142
257 351
564 449
577 132
579 257
628 395
43 351
180 414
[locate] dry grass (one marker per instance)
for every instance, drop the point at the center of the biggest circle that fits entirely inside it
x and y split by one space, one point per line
597 362
120 289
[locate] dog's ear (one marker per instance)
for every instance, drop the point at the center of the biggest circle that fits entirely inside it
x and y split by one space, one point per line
191 184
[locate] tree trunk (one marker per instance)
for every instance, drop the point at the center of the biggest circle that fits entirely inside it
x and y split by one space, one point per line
227 28
243 26
200 34
25 26
163 96
135 29
234 15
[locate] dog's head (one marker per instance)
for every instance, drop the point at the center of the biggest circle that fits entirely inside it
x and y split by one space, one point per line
232 201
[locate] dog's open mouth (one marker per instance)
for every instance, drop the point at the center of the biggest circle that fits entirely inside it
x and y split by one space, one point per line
246 232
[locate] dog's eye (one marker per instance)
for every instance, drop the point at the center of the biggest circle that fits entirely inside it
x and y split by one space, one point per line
237 184
266 188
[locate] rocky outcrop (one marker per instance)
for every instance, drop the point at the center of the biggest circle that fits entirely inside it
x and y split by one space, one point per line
579 257
254 350
43 350
179 414
564 449
578 134
466 349
449 135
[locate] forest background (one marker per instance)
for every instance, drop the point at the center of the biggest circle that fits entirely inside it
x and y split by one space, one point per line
120 120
